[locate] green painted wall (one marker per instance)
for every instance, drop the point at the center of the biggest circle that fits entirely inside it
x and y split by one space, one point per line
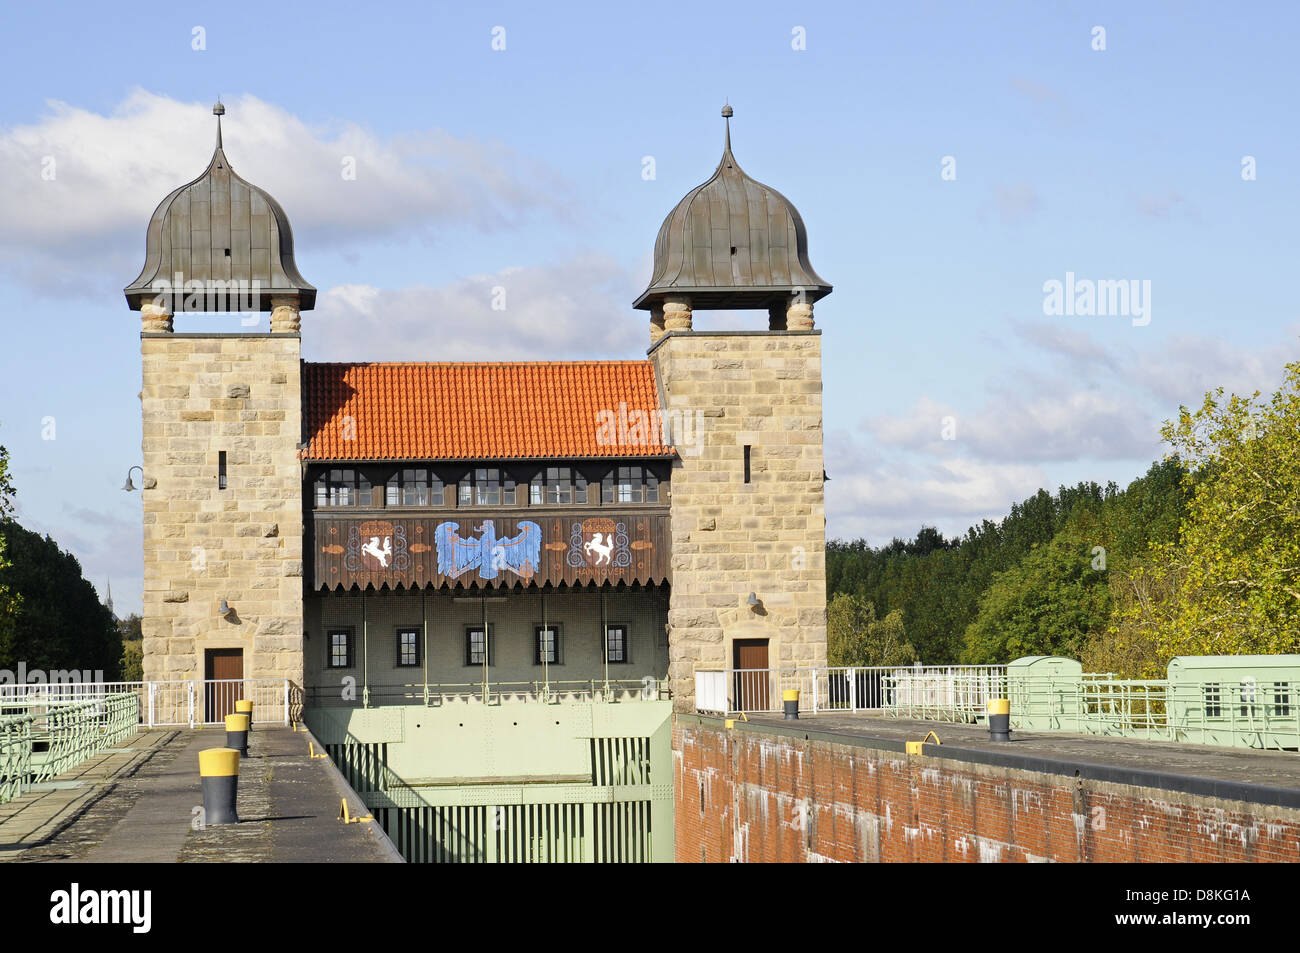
518 782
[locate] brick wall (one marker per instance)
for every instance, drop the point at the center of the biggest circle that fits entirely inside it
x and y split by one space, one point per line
744 795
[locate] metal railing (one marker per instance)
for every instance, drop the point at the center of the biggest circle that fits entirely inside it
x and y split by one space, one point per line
944 693
40 738
169 704
1229 713
1247 713
950 692
437 694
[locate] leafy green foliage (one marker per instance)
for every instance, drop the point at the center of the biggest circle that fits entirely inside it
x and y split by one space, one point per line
59 622
132 635
854 636
1047 604
8 599
942 586
1237 563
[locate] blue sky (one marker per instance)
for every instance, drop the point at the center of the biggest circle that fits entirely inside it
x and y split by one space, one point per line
523 167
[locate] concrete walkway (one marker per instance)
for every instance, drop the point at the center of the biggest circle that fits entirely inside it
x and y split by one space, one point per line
138 803
48 809
1263 777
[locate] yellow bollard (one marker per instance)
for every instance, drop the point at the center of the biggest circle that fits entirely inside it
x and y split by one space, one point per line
999 719
237 733
790 702
219 779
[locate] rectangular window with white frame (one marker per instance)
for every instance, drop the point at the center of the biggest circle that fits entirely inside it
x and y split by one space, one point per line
546 645
408 646
616 643
479 644
339 643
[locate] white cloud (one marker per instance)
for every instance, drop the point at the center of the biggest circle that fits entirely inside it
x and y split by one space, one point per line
1089 400
1191 365
1022 428
109 172
880 498
570 310
1061 340
1076 399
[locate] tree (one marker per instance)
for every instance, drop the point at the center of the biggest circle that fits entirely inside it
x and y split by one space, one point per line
132 662
1142 600
855 637
59 624
8 599
131 628
132 648
1048 604
1237 563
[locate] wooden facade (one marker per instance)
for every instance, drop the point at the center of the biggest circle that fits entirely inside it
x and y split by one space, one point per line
490 549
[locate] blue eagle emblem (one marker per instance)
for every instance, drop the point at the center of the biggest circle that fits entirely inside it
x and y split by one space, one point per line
489 554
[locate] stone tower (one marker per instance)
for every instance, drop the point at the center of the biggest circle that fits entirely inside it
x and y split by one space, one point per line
748 517
223 524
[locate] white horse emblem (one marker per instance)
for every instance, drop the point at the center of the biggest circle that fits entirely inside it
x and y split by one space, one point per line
601 547
381 554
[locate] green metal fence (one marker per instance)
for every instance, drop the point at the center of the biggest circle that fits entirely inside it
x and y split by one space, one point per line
1247 701
542 782
42 738
435 694
1247 714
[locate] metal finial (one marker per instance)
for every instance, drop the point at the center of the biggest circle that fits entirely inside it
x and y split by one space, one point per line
727 113
218 110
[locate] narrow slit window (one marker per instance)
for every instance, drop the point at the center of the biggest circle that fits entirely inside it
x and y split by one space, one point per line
221 469
747 448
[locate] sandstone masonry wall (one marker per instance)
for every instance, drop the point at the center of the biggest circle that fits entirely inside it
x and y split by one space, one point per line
203 394
731 538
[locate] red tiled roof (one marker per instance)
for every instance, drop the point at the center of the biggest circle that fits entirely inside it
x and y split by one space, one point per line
475 411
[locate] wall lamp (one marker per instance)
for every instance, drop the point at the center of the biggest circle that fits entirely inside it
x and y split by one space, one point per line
146 484
224 609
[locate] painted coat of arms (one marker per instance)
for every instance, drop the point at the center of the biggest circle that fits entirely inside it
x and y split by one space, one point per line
488 553
377 546
599 543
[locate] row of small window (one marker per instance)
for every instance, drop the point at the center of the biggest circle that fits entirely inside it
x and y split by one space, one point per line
1248 692
485 486
548 646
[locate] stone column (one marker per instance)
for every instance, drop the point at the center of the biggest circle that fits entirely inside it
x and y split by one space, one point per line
799 316
285 318
677 313
155 319
656 322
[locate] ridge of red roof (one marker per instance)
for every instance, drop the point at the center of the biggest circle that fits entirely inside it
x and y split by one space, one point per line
480 410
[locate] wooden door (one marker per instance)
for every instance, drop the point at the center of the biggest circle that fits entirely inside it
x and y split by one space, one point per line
749 659
223 670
